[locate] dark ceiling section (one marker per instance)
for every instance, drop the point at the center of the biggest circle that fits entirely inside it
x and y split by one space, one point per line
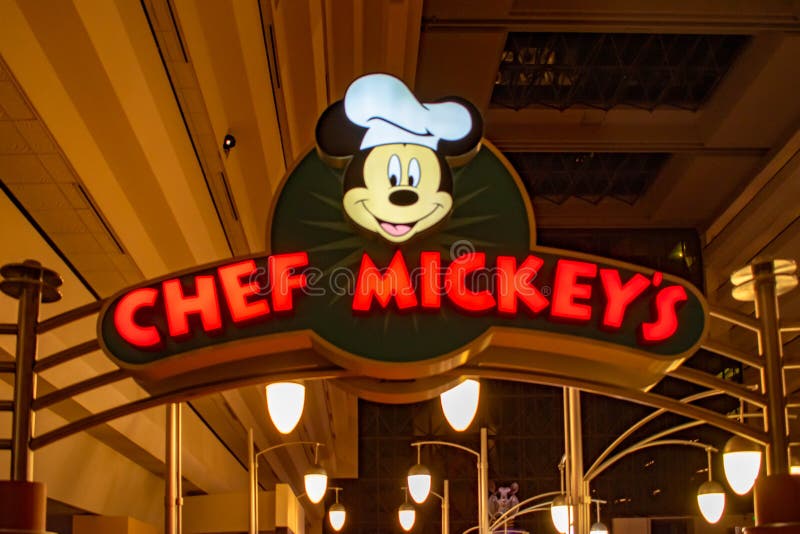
556 176
605 70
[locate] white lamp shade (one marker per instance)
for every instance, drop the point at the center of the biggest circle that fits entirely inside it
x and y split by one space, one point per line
598 528
741 469
561 514
336 516
316 482
711 499
285 402
419 483
741 459
407 515
460 404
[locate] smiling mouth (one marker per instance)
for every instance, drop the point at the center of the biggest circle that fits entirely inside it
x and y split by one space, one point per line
398 229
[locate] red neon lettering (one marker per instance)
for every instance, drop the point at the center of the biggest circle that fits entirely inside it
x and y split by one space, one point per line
666 323
456 283
125 322
237 293
204 303
393 283
515 284
282 281
618 296
567 289
430 287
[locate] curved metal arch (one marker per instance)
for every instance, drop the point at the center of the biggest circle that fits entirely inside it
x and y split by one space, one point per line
646 445
178 395
639 397
330 370
643 421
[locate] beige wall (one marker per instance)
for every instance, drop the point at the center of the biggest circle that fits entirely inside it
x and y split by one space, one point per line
226 512
92 524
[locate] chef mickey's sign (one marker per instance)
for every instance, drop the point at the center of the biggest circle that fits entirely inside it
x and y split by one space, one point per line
404 238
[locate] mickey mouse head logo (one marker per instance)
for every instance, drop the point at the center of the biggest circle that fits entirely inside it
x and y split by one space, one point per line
398 153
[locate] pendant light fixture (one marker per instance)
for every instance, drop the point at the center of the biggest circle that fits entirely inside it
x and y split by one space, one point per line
598 527
419 480
316 480
711 496
337 513
741 459
406 514
560 510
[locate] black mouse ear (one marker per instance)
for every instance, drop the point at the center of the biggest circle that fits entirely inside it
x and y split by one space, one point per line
337 138
459 152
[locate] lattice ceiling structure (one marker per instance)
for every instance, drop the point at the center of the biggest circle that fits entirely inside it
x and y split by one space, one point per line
606 70
556 176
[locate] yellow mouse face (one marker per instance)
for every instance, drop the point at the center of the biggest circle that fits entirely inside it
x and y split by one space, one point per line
403 194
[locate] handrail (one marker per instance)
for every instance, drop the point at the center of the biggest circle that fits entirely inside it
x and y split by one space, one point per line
69 316
78 388
66 355
9 329
447 444
520 504
179 395
535 508
640 397
281 445
645 445
639 424
712 382
732 353
790 326
735 318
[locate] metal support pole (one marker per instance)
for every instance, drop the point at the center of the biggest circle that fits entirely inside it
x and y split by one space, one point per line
483 484
171 489
251 468
772 351
25 380
575 485
446 508
179 468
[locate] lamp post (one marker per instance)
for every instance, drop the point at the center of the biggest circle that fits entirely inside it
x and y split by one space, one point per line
483 475
316 480
445 498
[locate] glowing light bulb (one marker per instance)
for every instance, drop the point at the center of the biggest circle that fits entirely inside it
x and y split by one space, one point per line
741 459
336 516
407 516
711 499
460 404
561 514
419 483
285 402
316 482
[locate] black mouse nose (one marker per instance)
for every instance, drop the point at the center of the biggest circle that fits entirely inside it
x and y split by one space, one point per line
403 197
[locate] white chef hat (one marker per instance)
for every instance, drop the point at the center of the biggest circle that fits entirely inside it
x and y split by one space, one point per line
392 114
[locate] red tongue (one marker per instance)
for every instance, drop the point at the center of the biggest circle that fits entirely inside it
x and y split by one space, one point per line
395 229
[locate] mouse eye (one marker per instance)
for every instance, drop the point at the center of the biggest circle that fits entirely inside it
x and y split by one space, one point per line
413 172
394 170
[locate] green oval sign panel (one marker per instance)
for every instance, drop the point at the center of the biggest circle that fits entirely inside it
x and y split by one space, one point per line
401 247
